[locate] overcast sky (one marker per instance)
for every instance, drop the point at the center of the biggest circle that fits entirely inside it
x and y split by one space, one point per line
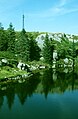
41 15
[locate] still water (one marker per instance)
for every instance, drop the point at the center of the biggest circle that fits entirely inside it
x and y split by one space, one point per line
46 95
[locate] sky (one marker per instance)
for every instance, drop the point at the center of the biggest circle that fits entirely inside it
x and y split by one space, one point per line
41 15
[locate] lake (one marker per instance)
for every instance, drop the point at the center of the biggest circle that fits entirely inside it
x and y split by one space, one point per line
48 94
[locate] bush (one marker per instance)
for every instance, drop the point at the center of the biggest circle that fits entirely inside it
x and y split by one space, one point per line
7 55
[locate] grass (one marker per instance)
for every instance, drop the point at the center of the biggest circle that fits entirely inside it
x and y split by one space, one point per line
7 72
35 63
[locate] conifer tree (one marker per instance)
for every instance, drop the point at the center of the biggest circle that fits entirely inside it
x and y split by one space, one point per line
3 39
22 46
11 38
34 49
48 50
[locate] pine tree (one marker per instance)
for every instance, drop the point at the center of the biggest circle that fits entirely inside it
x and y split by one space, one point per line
3 39
48 50
34 49
22 46
11 38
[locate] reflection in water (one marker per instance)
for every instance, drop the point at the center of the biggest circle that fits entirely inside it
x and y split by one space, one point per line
58 81
22 90
10 94
1 100
27 88
45 82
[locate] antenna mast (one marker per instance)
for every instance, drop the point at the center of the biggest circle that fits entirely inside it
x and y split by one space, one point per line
23 21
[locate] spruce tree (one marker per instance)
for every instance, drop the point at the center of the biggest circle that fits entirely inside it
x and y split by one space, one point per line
34 49
22 46
3 39
11 38
48 50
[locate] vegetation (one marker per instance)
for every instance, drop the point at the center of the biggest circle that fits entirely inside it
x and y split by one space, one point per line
22 46
7 72
48 50
16 46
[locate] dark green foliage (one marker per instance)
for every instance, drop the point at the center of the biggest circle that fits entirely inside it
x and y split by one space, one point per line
22 47
3 39
11 38
48 50
7 55
34 49
66 49
26 47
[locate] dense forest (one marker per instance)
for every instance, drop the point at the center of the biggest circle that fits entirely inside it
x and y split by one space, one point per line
15 45
55 49
22 45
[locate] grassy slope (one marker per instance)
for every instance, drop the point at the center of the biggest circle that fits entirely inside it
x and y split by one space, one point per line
7 72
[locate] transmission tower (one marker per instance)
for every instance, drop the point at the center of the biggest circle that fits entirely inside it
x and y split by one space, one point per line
23 21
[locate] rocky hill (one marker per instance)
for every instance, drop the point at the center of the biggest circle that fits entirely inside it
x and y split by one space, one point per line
57 37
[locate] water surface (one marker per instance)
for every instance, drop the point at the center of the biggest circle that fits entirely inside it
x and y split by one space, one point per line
46 95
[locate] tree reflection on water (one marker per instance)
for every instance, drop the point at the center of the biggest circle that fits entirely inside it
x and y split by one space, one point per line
44 82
